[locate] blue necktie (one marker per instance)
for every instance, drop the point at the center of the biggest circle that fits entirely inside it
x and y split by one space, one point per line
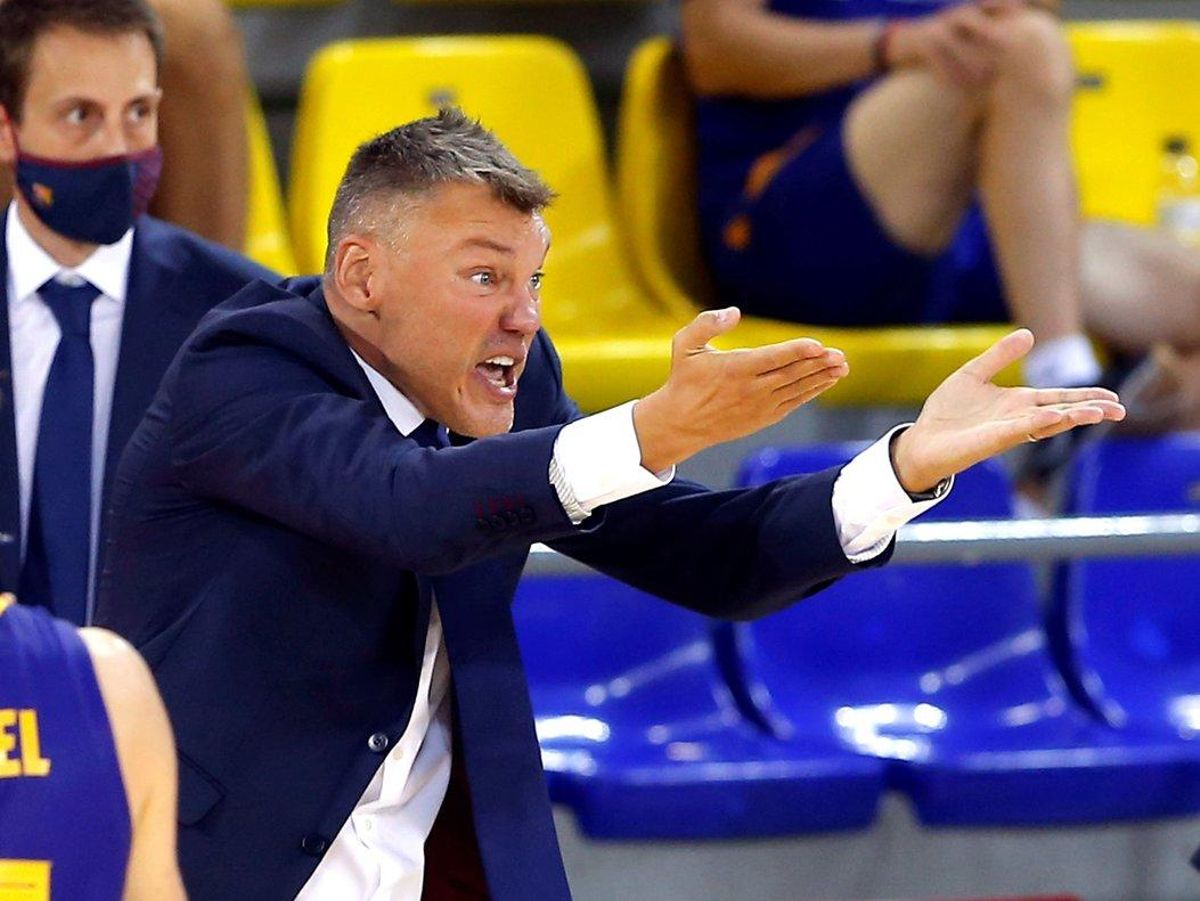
58 550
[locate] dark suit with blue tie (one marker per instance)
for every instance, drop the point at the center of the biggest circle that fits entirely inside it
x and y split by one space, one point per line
175 277
276 544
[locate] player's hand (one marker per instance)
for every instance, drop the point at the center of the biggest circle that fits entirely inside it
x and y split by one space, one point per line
962 44
968 419
713 395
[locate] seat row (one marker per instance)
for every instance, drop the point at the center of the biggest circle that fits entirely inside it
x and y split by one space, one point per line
625 271
938 681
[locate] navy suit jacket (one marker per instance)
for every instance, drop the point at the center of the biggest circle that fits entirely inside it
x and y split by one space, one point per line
275 545
175 278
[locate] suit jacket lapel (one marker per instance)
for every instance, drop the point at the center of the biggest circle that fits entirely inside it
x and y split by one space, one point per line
151 331
10 486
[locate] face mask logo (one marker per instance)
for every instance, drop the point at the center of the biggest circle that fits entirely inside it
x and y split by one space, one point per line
95 201
43 195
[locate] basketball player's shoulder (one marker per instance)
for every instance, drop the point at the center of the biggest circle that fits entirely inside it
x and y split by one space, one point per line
124 678
146 754
135 711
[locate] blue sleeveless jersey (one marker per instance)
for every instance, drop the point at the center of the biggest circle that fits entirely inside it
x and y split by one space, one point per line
64 819
732 132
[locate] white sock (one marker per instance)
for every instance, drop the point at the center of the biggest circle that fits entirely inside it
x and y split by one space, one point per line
1066 362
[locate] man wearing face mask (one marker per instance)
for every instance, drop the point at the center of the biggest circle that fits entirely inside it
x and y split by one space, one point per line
97 296
204 77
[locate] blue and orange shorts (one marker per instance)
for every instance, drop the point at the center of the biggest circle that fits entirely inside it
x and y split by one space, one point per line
802 243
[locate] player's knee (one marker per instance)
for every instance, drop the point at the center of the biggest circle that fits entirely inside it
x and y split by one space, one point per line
924 90
1036 63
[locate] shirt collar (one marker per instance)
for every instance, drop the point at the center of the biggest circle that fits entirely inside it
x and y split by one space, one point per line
30 266
400 410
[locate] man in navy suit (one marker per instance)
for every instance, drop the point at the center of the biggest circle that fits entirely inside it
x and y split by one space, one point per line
319 526
97 298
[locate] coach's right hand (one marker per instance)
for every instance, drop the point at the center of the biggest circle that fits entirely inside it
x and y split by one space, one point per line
713 395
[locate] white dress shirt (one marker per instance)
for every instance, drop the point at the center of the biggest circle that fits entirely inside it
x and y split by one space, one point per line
379 853
34 336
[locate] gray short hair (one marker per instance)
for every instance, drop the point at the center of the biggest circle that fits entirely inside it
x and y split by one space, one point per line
388 172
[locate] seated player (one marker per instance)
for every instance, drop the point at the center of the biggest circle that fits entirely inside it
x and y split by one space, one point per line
868 162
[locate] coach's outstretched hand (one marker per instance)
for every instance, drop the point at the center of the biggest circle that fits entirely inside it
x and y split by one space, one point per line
967 418
715 395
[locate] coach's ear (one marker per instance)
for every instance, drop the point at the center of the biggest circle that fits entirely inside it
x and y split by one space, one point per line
355 273
199 792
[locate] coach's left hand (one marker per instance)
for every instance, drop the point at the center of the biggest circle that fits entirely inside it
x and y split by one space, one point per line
967 418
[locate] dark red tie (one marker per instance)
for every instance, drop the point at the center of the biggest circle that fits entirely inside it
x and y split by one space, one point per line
453 867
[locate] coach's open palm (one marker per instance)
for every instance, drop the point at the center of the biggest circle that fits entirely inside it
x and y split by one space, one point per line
967 418
717 395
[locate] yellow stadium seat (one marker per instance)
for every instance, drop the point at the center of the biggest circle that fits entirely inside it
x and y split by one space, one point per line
267 240
656 188
1138 84
532 91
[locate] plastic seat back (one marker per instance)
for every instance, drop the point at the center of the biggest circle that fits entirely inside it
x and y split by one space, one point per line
904 651
641 735
1137 86
598 654
656 177
267 238
531 91
1133 624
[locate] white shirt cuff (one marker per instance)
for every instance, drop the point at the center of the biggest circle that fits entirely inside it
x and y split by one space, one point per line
869 504
597 461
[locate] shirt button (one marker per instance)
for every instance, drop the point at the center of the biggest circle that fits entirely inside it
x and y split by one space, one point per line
378 742
314 844
7 537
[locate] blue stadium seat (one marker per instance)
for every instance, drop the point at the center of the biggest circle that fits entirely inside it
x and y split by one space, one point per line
944 671
1133 625
641 737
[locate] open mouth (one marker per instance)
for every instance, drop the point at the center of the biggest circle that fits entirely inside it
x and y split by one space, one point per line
500 372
